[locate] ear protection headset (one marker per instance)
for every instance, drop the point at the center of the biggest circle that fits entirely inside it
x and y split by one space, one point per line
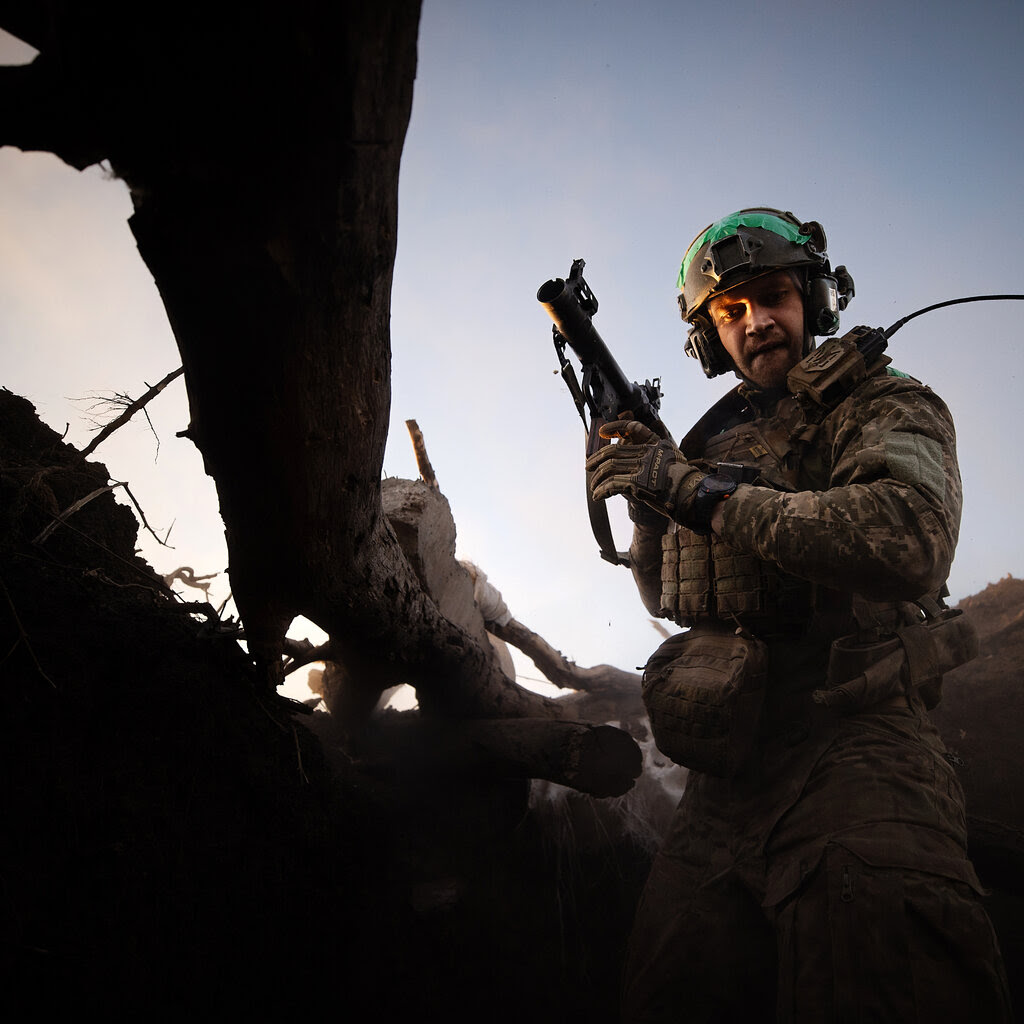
749 244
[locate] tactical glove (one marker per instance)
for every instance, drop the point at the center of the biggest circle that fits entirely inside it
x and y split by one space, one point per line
646 469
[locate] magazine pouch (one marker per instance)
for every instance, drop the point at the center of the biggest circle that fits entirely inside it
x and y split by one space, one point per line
703 690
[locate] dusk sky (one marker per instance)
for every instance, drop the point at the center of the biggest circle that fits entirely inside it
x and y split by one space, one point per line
546 131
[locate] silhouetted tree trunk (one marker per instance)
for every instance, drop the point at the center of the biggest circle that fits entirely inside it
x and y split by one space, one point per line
262 154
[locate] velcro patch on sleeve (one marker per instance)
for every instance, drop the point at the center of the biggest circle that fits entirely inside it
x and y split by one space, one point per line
916 460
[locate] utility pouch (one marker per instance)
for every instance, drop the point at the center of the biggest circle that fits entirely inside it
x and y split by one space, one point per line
916 658
703 690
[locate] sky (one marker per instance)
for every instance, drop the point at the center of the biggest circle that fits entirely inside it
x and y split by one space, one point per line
547 131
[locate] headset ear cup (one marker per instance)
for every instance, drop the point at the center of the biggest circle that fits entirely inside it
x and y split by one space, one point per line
703 344
821 305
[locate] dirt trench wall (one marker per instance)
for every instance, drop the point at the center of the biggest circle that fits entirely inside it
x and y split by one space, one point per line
177 845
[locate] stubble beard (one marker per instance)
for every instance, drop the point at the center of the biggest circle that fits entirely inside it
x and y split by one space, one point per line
769 364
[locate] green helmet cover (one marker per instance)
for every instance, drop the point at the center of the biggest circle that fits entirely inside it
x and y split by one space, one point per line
744 245
728 225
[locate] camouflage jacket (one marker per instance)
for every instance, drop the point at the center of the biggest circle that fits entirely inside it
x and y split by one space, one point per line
850 519
851 516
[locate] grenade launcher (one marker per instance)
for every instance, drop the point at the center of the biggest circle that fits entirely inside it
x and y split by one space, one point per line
605 394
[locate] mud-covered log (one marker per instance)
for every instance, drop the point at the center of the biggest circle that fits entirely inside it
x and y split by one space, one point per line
596 759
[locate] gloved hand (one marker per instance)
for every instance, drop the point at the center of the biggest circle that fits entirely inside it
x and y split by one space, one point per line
646 469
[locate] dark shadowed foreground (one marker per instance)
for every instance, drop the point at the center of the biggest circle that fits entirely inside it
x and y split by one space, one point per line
177 844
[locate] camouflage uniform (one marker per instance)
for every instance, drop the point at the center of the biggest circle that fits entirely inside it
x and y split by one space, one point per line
828 875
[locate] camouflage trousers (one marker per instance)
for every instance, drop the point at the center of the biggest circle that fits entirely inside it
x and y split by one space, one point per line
827 883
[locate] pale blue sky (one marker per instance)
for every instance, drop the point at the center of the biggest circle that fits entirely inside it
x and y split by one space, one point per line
545 131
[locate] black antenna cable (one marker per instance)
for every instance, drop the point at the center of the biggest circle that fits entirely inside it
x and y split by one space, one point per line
949 302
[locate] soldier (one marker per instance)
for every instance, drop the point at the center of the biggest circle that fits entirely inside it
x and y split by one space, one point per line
816 867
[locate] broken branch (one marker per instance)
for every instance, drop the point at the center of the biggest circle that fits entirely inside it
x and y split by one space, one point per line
130 411
62 518
557 668
420 448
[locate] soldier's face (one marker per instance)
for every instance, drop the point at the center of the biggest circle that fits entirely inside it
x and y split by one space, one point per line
761 324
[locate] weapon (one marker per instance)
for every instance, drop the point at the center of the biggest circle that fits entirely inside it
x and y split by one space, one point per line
606 394
824 377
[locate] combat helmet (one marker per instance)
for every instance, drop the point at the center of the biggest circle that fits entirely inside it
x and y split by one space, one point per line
748 244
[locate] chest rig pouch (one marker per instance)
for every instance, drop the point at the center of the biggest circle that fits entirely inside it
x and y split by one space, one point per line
702 576
703 690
